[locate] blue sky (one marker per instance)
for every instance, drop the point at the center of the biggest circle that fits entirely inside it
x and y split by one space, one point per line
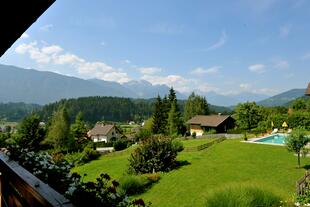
223 46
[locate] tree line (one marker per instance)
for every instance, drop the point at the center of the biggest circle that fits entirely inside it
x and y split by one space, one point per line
115 109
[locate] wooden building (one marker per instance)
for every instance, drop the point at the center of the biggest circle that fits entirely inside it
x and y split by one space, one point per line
201 123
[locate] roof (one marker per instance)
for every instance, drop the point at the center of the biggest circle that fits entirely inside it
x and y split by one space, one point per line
101 129
15 18
208 120
308 90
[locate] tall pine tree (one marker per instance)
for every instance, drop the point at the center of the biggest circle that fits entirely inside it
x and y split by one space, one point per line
159 121
195 105
174 119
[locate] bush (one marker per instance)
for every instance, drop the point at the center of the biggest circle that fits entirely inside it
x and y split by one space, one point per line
152 177
143 134
44 167
177 145
89 154
120 144
74 158
210 131
103 144
235 131
194 135
156 154
133 184
242 196
100 193
304 199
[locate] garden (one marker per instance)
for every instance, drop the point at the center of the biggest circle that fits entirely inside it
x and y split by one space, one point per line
229 164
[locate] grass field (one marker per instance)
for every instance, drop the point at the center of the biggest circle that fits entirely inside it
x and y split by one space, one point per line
196 142
226 163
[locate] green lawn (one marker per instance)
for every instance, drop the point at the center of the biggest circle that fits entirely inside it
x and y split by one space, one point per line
228 162
115 164
196 142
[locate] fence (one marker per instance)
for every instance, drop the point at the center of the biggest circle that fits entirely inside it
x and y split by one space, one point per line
204 146
20 188
302 185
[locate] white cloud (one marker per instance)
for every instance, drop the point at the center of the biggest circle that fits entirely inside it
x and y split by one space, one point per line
285 31
67 58
127 61
221 42
46 27
177 82
150 70
281 64
257 68
34 52
205 88
245 86
24 36
54 54
211 70
51 49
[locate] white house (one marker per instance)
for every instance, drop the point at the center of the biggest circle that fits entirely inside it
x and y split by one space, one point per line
103 132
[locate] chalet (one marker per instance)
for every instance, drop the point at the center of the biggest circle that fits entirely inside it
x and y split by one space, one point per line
307 93
104 132
201 123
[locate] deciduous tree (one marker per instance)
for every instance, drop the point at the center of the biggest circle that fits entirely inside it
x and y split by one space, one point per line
296 141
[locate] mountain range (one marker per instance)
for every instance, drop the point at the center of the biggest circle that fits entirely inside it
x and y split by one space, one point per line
283 99
42 87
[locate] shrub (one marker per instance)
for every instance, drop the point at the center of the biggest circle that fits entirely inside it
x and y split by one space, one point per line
235 131
194 135
152 177
74 158
210 131
44 167
133 184
242 196
100 193
177 145
156 154
89 154
103 144
304 199
143 134
120 144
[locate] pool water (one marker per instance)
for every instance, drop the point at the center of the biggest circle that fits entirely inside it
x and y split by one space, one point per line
274 139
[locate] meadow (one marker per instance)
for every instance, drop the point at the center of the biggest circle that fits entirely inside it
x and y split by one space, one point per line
224 164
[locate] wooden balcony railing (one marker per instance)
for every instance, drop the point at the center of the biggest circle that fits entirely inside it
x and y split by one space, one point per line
20 188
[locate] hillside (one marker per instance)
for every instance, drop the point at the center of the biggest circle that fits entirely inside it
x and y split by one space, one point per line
41 87
282 99
112 108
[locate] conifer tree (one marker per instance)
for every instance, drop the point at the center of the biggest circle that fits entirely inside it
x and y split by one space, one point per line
59 135
195 105
159 120
174 119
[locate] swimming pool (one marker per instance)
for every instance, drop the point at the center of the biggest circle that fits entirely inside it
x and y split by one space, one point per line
273 139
